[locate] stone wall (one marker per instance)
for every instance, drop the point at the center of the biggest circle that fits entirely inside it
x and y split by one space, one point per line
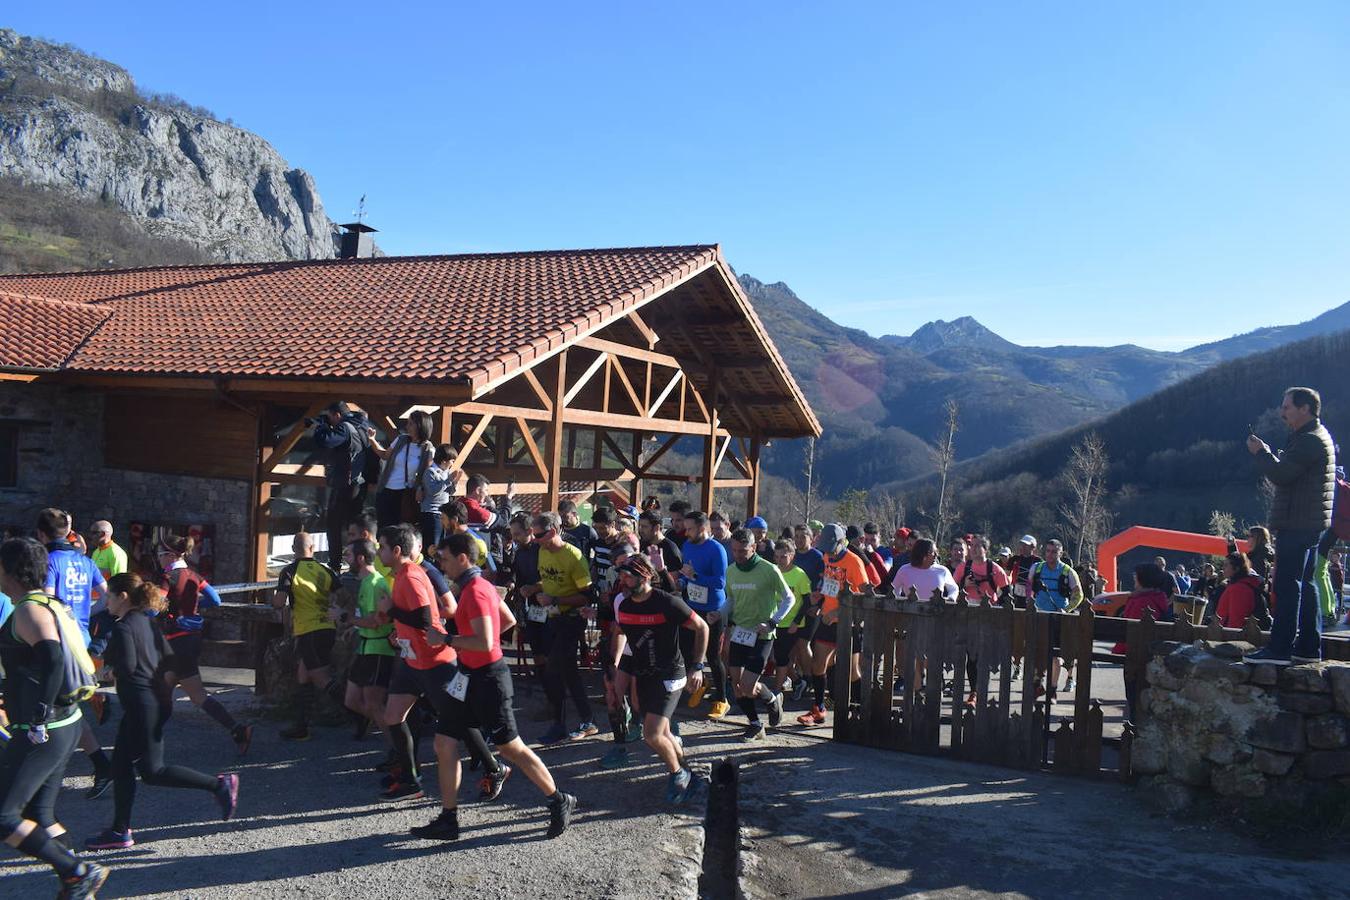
1207 722
61 464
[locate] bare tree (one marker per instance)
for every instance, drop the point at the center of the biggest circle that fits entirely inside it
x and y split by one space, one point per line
1085 512
944 456
809 498
1266 491
885 509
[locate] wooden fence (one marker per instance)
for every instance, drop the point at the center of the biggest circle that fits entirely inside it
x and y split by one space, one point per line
917 641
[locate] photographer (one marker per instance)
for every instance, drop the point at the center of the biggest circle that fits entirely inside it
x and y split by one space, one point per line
1305 483
343 435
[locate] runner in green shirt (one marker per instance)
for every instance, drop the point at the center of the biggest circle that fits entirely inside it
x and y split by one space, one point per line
370 670
790 646
110 558
758 598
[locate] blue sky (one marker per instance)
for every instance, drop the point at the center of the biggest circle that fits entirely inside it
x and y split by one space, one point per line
1156 173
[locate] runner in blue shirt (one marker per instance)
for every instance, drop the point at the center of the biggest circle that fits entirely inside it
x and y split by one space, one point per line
73 578
704 580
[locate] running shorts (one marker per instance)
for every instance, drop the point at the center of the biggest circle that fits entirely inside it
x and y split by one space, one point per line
782 647
315 648
751 659
659 696
487 704
371 670
184 652
405 680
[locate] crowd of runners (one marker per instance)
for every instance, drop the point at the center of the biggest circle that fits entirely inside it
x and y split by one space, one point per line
674 606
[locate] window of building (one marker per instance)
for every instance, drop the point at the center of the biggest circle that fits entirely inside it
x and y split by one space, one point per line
9 455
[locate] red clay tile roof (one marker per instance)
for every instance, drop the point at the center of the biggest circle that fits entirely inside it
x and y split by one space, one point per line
434 318
40 333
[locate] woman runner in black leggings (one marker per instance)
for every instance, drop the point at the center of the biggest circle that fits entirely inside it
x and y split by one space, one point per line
45 728
134 653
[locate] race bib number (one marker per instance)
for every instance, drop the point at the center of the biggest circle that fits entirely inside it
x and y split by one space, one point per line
697 593
458 686
405 648
1019 590
538 614
674 684
743 636
830 587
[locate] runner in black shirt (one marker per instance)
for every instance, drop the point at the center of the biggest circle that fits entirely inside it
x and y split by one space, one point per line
649 622
651 535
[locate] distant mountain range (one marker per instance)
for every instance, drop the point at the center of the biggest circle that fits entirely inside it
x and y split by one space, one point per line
881 399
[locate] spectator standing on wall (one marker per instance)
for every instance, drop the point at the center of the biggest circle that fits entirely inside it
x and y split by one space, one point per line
343 436
1304 475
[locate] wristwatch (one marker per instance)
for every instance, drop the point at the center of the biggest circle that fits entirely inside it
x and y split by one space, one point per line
698 667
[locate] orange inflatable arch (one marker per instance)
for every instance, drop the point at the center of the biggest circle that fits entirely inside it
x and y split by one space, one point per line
1160 538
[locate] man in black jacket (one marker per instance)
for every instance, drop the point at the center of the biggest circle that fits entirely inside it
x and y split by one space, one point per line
342 435
1304 475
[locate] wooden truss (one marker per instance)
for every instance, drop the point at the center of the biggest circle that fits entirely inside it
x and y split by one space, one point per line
601 411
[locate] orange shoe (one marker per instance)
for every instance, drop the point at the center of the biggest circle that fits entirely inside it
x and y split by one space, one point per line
817 715
719 709
696 697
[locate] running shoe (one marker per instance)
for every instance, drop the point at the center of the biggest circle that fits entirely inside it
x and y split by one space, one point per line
677 787
402 791
799 690
616 758
296 733
442 828
754 733
490 786
110 839
560 814
227 795
102 782
634 731
555 735
243 738
814 716
79 887
775 710
696 697
584 730
719 709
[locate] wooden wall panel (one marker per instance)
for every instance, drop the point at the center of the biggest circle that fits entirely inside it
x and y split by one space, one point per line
178 436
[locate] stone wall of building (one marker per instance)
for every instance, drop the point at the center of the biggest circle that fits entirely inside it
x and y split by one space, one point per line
61 464
1210 723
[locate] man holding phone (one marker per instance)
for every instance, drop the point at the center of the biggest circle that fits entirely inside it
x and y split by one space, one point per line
661 551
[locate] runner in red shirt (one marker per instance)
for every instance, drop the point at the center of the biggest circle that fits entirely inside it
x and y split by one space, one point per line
426 666
480 695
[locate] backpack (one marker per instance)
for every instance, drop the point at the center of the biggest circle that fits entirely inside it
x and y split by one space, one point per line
967 571
77 676
1261 606
1340 510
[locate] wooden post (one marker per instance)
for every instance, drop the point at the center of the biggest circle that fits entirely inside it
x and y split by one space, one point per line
260 541
555 435
443 433
635 492
752 492
706 495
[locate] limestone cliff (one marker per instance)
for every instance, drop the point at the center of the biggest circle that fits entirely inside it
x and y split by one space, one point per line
78 124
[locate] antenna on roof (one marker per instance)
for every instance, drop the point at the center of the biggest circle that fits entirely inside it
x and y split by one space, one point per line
360 211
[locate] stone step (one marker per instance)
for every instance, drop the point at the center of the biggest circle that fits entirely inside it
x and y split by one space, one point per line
227 654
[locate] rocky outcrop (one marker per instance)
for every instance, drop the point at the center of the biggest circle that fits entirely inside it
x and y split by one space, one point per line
76 123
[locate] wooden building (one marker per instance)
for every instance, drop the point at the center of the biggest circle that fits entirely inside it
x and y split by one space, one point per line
545 368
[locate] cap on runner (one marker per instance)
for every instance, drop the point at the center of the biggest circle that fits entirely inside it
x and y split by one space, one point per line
902 534
831 538
756 522
815 525
638 566
1028 539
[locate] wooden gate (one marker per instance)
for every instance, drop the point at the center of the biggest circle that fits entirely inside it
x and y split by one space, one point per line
906 647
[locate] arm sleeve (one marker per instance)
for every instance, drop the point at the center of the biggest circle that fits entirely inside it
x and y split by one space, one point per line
414 618
784 606
209 597
1286 468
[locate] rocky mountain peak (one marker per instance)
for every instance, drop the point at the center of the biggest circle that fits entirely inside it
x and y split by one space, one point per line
78 124
940 335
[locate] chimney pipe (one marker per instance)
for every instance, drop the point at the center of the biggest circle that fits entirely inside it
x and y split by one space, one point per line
356 242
